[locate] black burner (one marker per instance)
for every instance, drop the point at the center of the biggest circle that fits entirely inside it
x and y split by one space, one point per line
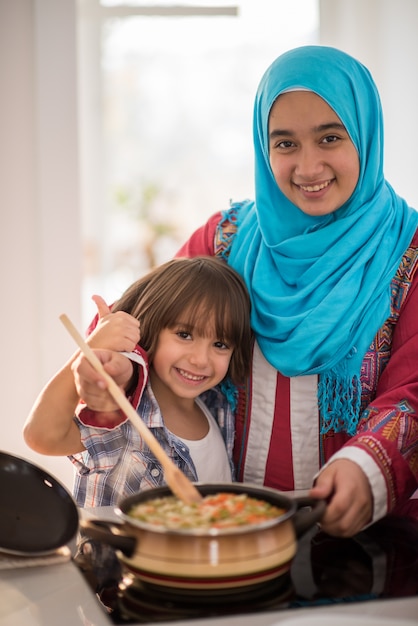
381 562
147 603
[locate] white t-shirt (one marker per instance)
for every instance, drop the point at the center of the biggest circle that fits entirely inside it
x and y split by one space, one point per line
209 454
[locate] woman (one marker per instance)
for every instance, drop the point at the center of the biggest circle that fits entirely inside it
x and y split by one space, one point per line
329 254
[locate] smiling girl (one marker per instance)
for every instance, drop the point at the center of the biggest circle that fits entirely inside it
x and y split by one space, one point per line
194 348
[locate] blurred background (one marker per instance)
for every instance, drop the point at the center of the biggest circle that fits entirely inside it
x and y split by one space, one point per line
125 125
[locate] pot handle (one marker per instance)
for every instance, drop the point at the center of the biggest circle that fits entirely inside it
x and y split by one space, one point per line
111 533
309 512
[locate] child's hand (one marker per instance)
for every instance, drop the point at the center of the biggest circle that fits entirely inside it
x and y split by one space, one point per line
92 387
115 331
350 502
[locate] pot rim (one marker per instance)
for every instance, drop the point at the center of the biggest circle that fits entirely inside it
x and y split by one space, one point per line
264 493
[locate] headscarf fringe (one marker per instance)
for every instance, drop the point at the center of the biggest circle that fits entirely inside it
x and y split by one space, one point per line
339 402
230 391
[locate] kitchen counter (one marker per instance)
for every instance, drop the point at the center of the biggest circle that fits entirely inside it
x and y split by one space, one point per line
57 594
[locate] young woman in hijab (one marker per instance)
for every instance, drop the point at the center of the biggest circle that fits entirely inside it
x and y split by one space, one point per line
329 253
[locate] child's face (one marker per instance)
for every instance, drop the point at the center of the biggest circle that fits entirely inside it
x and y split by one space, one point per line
188 363
312 157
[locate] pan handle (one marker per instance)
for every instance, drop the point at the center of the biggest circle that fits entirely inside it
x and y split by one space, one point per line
309 512
110 533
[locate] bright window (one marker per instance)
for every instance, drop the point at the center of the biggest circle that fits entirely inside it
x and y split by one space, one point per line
166 98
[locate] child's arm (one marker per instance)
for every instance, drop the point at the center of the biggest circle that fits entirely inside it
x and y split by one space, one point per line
50 427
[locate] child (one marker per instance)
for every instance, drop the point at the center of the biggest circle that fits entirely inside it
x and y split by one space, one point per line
195 346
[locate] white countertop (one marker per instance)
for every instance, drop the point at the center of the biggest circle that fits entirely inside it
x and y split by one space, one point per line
57 595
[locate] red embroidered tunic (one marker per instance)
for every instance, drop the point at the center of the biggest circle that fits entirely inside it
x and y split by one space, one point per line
278 441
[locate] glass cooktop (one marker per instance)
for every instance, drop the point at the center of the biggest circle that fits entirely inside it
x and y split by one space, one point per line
381 562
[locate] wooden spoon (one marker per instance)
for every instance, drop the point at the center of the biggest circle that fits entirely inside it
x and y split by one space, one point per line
178 482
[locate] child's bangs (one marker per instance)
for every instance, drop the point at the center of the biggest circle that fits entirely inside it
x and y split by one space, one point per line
211 314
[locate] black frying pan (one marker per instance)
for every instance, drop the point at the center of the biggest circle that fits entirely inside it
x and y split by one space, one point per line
37 513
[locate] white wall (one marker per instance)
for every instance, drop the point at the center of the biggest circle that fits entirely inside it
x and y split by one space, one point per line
40 253
40 247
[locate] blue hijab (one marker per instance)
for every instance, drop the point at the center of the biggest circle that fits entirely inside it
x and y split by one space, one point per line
320 286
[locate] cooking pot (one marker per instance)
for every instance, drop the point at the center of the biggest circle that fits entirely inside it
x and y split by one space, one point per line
37 514
209 559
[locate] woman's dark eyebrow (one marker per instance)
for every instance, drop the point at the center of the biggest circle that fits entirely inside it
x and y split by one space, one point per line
330 126
278 132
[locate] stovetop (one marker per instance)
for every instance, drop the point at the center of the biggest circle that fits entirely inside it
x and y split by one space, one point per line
379 563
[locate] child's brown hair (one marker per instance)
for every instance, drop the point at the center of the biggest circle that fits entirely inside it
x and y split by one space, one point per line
197 291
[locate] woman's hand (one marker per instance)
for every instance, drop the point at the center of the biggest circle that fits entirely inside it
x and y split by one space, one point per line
350 502
115 331
92 387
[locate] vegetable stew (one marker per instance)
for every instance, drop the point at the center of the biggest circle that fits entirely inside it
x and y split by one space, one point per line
220 510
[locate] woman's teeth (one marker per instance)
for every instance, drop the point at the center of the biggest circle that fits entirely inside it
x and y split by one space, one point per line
314 187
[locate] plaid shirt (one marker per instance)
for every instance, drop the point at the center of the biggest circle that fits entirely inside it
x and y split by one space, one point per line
118 463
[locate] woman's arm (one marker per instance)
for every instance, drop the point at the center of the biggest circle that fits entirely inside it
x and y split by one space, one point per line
386 446
201 242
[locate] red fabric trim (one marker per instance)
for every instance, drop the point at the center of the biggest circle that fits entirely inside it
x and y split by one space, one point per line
101 419
279 467
135 398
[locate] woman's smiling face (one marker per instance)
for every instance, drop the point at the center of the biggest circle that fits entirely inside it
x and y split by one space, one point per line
313 159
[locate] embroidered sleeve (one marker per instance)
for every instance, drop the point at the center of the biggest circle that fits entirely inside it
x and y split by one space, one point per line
215 237
201 242
225 232
388 430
